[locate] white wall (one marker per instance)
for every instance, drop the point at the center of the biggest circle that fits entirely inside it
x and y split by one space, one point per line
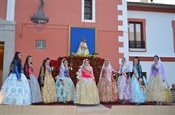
124 29
159 40
159 33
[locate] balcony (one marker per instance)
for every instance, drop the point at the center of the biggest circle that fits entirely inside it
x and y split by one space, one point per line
137 44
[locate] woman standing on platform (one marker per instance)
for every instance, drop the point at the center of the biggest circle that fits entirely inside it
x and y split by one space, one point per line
34 86
124 91
64 85
47 83
86 89
137 83
107 85
16 90
156 89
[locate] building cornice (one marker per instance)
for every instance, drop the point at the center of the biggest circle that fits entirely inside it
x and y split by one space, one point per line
151 7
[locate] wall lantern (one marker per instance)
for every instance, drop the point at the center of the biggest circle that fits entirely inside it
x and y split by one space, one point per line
39 17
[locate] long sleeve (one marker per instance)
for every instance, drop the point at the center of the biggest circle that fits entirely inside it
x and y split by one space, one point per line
16 70
41 79
26 71
163 72
61 73
140 71
78 73
92 73
127 71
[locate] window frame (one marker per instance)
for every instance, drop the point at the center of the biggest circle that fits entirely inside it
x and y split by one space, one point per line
173 27
83 11
143 34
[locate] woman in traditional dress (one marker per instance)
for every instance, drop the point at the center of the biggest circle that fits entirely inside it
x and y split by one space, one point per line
47 83
137 83
64 85
156 87
107 85
16 89
123 82
83 48
86 89
34 86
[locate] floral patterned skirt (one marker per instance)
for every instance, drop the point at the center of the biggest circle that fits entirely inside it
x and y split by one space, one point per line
124 91
35 90
16 92
137 94
156 89
86 92
65 89
49 90
107 90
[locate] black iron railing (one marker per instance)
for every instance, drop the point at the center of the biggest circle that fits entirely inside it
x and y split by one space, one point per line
136 44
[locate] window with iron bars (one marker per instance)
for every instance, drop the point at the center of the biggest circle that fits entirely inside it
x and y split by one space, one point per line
136 35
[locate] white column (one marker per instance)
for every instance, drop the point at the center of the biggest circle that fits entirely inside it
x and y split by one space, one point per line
124 29
10 10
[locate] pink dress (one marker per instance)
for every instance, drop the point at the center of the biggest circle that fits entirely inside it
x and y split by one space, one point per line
86 89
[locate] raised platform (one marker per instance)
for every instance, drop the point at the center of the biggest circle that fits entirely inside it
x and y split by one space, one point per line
143 110
37 110
102 109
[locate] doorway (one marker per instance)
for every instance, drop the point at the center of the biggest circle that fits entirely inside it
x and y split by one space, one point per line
1 61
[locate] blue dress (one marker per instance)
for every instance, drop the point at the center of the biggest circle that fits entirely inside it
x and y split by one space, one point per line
64 86
137 94
16 92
